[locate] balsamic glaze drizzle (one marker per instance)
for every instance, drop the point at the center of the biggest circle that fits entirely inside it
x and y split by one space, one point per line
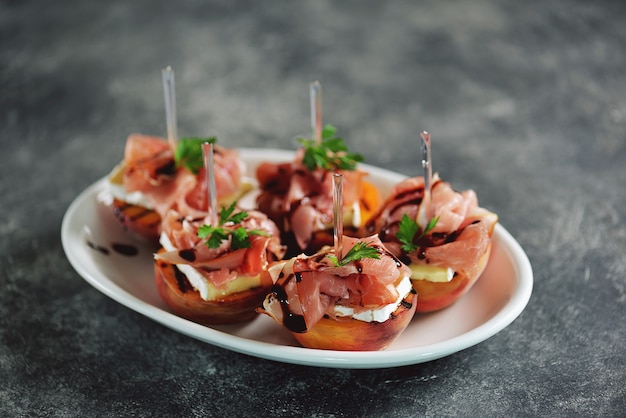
119 248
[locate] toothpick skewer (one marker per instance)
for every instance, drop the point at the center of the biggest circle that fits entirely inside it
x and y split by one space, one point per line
209 168
428 173
315 90
169 91
338 214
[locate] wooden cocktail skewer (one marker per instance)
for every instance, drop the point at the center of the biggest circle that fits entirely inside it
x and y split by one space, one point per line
169 91
209 168
338 214
428 174
315 90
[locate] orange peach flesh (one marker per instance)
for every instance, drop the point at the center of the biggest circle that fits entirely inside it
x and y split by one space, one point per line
187 303
353 335
434 296
369 202
142 221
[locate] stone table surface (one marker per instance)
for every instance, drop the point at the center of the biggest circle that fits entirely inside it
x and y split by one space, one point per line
526 102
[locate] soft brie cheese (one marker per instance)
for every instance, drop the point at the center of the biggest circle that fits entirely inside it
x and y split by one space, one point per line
352 215
380 314
134 198
115 185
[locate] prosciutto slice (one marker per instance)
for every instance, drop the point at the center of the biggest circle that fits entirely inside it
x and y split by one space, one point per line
301 201
222 264
308 287
460 237
149 168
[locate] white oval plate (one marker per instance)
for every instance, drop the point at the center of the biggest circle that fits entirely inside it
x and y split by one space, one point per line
90 229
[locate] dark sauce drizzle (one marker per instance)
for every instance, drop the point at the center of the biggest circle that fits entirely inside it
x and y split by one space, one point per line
181 279
125 249
99 248
188 254
167 169
293 322
122 249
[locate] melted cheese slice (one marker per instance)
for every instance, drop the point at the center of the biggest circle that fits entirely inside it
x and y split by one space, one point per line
431 273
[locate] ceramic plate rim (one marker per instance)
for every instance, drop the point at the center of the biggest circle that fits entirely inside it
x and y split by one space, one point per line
299 355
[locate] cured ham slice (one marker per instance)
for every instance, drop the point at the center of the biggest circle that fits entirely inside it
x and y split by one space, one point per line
149 162
324 304
181 233
301 202
150 168
460 240
150 183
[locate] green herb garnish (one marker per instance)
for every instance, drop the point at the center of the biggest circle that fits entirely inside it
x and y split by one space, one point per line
331 154
188 153
408 229
214 235
360 251
226 215
240 237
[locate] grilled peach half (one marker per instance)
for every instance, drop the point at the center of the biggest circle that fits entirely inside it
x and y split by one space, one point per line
138 219
185 301
434 296
349 334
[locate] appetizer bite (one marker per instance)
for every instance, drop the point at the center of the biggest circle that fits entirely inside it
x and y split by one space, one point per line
153 178
297 195
146 172
209 269
212 274
441 234
362 302
156 175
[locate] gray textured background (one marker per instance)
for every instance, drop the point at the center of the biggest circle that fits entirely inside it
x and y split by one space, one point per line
526 102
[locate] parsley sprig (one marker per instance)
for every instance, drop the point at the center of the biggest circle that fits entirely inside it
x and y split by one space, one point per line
360 251
331 154
408 230
239 237
188 153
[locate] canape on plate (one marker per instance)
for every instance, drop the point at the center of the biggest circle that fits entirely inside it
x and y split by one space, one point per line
154 178
446 251
362 302
213 272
